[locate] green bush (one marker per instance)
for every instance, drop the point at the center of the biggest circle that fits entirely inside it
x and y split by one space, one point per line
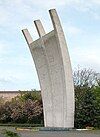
9 133
25 108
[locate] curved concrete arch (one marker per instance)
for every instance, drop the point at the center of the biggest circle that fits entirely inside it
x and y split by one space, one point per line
39 56
53 66
67 71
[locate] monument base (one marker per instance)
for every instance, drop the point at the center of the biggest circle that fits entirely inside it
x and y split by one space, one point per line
55 129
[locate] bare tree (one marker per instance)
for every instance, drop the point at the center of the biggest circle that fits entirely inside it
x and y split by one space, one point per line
86 77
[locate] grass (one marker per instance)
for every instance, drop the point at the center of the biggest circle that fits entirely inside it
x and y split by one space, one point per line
8 133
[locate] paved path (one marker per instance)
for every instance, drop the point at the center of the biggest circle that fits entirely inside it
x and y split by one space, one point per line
60 134
55 133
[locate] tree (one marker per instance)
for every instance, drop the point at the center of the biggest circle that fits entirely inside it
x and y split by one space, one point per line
96 91
5 112
85 77
85 110
33 95
28 112
86 104
25 108
2 101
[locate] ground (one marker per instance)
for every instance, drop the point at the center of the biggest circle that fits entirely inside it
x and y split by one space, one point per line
60 134
24 133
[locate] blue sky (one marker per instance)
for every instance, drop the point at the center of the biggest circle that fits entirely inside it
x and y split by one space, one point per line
80 20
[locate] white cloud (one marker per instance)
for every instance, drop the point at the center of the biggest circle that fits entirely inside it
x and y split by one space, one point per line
96 16
4 80
72 30
20 12
3 16
92 58
3 48
87 56
95 2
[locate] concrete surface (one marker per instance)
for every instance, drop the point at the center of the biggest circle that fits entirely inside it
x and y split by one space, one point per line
73 133
52 61
59 134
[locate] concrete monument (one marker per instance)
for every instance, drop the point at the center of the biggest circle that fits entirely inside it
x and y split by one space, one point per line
52 61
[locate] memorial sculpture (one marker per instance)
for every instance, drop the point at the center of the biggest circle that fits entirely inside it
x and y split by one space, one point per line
52 61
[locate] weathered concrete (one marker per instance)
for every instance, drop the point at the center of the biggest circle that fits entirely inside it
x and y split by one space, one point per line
51 58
